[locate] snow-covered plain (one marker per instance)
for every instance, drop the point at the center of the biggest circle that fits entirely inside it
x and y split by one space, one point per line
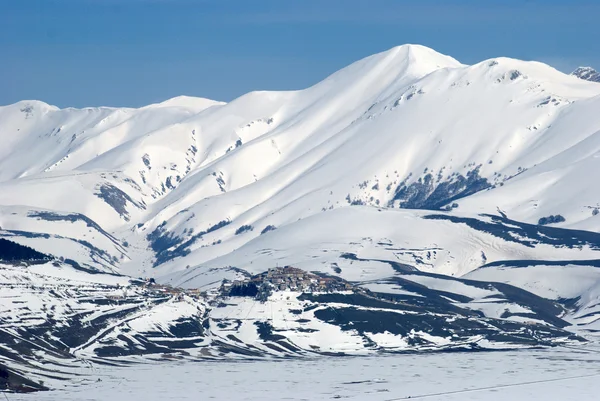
533 375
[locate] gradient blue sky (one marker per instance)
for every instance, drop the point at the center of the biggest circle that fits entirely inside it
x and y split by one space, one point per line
135 52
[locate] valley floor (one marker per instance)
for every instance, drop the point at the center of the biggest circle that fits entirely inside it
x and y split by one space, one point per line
545 374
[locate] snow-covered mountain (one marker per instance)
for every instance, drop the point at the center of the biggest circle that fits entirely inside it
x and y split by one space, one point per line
403 173
407 128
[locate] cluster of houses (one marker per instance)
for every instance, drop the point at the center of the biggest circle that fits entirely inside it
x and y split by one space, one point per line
260 286
282 279
151 286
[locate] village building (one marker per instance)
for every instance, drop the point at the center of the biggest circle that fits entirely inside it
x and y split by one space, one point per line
282 279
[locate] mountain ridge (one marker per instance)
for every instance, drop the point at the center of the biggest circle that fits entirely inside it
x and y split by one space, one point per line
290 155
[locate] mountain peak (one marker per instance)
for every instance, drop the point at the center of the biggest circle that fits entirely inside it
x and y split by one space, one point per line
404 61
33 104
587 73
188 102
421 60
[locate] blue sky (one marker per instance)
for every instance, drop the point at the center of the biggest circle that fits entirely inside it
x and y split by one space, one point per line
135 52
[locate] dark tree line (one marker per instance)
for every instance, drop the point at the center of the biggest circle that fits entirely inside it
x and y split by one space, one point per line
12 252
552 219
244 290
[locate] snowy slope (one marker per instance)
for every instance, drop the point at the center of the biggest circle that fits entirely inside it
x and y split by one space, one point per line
365 243
576 284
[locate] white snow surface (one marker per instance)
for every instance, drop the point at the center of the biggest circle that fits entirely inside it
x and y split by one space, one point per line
536 375
578 283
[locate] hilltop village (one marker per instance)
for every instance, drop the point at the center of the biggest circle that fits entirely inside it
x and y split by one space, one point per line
260 286
282 279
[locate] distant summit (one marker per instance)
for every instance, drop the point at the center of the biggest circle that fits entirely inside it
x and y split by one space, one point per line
587 73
